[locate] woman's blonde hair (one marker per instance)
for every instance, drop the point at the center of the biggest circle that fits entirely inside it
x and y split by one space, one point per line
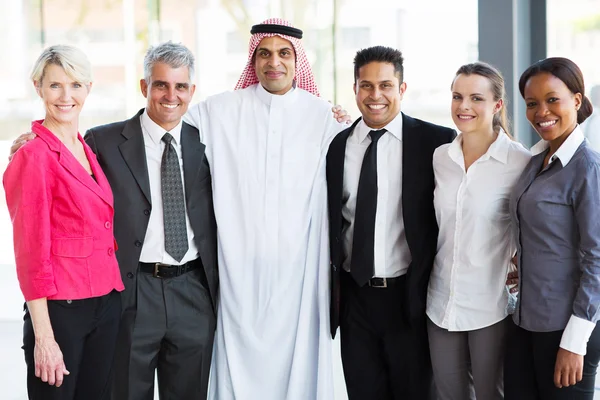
72 60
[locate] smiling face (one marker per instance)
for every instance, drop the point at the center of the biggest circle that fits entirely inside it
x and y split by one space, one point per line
379 93
473 105
63 97
168 93
275 64
551 106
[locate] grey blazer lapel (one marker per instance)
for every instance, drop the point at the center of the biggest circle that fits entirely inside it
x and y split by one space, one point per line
192 150
134 153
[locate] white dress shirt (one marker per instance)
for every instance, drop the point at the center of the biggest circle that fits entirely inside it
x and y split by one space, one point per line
153 249
467 288
391 253
578 330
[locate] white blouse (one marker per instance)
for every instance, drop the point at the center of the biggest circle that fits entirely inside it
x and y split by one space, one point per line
467 288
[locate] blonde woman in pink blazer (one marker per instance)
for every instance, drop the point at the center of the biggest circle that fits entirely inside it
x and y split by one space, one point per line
61 207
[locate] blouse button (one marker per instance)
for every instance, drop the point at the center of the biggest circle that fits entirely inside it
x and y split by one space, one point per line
110 251
107 225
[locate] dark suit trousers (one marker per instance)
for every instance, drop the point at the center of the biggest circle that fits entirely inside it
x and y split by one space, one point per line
529 366
86 332
168 328
383 358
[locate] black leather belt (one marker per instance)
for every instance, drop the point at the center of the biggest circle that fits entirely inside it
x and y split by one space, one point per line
164 271
384 282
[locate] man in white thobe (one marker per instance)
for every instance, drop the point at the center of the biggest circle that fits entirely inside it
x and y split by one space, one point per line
266 145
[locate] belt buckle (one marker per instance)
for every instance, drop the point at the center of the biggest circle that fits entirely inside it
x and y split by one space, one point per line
156 267
376 283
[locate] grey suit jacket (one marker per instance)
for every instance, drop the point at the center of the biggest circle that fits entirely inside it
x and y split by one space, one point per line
120 150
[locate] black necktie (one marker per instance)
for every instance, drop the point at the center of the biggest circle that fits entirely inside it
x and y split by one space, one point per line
176 241
362 266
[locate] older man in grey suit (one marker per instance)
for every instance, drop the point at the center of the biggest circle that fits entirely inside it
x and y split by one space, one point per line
166 233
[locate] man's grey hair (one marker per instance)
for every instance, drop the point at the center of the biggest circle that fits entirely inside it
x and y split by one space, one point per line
175 55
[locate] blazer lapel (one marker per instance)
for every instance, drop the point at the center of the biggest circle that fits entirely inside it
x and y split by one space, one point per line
71 164
101 183
134 153
192 151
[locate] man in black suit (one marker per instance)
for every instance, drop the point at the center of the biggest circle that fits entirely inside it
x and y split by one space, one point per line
383 235
166 234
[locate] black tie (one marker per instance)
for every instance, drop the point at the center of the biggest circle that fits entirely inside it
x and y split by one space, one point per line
176 241
362 266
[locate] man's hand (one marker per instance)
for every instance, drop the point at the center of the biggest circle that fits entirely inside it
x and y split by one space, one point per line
341 115
49 364
19 142
568 369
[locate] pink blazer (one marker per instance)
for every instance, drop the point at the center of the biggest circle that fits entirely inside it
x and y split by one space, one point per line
62 221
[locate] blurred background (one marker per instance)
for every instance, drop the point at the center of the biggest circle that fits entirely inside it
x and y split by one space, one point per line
435 36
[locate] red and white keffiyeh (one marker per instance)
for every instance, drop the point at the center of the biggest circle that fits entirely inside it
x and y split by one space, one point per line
304 77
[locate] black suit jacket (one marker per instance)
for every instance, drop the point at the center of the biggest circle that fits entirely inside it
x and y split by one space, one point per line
419 140
120 150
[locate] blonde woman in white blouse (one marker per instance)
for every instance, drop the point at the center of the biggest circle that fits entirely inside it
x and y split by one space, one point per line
467 299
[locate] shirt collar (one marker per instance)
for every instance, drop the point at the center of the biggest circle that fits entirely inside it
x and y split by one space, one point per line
271 99
566 150
361 131
156 132
497 150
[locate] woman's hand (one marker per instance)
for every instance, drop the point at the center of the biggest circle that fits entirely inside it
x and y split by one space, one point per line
512 279
49 363
568 369
47 357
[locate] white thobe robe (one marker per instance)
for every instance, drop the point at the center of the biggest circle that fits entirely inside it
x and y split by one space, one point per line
267 159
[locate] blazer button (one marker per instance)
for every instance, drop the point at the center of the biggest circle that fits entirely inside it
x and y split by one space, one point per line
138 243
146 212
107 225
110 251
130 275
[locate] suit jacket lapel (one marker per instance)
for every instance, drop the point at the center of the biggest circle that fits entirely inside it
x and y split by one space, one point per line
410 168
192 157
335 176
134 153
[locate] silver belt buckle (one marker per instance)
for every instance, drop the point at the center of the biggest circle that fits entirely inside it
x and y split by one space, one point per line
156 267
378 282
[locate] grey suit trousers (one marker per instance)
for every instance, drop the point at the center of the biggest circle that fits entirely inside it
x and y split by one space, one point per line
468 365
171 336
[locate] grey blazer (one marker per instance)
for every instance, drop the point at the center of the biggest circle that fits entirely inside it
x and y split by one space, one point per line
120 150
